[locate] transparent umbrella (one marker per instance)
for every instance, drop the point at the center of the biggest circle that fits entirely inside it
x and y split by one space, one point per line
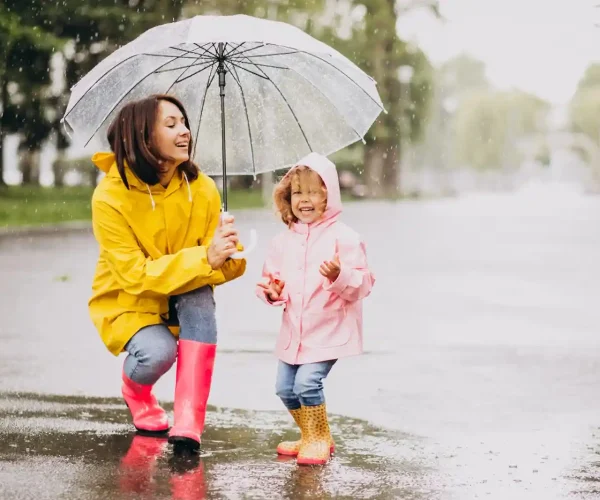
260 94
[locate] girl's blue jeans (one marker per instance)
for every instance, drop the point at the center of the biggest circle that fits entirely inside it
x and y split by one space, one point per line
302 385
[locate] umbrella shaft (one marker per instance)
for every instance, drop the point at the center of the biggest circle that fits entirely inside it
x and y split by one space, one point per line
223 153
222 71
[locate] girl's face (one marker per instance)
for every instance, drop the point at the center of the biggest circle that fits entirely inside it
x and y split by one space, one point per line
309 196
171 135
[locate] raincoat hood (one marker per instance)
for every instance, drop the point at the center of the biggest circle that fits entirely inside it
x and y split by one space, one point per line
327 171
104 161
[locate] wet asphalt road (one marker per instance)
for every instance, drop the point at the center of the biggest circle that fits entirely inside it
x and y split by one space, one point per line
481 376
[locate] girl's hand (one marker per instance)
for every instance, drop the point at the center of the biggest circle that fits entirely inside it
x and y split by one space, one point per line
273 289
331 270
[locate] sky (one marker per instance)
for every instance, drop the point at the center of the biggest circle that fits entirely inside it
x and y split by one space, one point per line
539 46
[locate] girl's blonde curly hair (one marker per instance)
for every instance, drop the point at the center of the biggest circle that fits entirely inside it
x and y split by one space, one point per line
282 194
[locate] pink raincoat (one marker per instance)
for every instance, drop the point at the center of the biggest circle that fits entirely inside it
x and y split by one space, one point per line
321 320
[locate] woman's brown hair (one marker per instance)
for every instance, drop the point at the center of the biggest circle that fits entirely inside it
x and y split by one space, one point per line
282 194
131 138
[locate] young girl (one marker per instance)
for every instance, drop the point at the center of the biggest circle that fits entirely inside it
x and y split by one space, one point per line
317 270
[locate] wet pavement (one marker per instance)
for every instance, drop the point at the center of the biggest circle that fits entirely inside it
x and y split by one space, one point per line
480 380
65 447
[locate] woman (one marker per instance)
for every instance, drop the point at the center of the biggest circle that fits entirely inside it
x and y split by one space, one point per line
162 251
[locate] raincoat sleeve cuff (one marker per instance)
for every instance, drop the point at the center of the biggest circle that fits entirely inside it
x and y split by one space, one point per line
341 283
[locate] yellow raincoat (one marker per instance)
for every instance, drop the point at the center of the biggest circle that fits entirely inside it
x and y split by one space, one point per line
153 242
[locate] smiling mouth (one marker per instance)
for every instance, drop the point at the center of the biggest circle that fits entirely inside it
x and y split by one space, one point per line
307 210
182 145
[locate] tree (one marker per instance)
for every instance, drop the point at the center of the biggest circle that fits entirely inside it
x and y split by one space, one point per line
32 32
461 75
489 125
96 29
404 77
24 59
585 104
454 81
590 79
585 112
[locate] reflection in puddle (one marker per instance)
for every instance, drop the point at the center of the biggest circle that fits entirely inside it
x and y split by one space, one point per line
94 455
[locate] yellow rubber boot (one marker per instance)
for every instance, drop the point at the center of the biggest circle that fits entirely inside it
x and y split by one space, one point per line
315 448
291 448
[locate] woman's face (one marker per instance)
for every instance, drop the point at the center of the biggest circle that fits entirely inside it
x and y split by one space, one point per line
171 135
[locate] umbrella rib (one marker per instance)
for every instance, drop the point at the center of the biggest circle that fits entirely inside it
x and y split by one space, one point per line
176 81
117 65
198 62
338 69
234 49
190 54
191 51
288 105
258 64
236 77
123 97
329 100
211 79
195 56
248 71
247 50
211 54
270 55
202 108
96 82
179 80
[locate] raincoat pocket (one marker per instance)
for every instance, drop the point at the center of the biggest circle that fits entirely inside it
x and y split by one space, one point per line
327 328
142 304
285 333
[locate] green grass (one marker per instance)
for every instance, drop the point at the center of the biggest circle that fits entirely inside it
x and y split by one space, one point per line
27 206
32 206
239 199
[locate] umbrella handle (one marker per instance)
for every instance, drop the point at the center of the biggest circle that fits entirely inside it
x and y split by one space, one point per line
247 248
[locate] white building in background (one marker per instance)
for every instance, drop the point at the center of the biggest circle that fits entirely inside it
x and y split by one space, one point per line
12 174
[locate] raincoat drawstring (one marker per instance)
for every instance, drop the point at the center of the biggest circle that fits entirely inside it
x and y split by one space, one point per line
151 197
188 185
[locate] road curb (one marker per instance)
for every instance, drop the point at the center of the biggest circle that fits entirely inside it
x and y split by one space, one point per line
46 229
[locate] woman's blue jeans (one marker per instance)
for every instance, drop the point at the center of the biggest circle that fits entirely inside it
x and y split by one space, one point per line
153 349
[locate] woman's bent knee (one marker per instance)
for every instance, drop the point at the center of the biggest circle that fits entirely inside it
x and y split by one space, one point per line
153 351
162 354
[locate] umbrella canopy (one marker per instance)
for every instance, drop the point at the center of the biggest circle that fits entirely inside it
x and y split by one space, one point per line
287 93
